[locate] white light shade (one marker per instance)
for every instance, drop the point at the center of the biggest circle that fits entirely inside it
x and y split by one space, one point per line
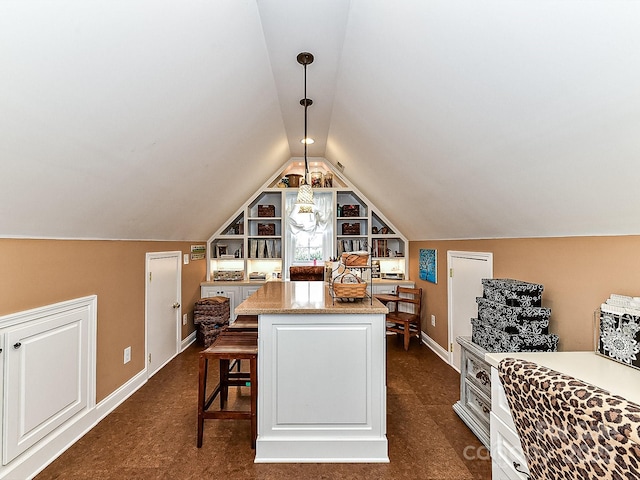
307 140
304 201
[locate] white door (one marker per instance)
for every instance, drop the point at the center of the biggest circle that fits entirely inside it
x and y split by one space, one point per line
466 271
163 310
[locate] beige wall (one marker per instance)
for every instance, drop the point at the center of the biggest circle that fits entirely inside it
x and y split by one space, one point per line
35 273
578 274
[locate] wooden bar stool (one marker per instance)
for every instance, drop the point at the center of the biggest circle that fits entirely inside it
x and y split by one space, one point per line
244 323
228 347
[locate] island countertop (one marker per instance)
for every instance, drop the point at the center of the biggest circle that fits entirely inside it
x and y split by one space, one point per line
303 297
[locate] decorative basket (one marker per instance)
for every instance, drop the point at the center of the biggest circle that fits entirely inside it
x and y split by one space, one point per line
267 229
266 210
351 229
351 210
348 285
355 259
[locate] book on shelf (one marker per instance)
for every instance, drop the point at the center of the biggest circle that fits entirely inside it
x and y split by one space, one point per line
352 245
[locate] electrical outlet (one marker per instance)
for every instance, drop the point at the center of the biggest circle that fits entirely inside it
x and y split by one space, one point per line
433 320
185 317
127 355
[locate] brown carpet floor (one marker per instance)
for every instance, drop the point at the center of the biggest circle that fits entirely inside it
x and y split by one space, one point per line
152 435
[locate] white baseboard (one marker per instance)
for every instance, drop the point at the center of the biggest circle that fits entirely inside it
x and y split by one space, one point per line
188 341
436 347
36 459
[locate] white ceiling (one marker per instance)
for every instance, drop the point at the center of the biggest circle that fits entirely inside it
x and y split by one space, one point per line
157 119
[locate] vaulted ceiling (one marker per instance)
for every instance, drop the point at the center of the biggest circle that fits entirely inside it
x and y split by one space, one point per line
157 119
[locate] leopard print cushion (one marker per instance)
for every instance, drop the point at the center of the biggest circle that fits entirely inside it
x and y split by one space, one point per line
570 429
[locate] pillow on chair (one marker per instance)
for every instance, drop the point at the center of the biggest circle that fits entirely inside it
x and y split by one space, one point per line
308 273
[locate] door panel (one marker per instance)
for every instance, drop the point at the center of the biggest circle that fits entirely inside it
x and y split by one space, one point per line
163 309
46 377
466 271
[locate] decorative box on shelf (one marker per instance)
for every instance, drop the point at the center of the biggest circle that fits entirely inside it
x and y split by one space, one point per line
266 210
351 229
495 340
521 320
514 293
267 229
351 210
510 318
228 275
618 330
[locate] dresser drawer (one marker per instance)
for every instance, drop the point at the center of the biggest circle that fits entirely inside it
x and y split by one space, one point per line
477 403
479 372
506 452
499 404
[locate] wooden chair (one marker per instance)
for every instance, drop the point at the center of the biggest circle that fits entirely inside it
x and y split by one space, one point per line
227 347
307 273
403 322
244 323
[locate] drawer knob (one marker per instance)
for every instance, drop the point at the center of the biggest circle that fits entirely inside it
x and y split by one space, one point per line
517 466
17 345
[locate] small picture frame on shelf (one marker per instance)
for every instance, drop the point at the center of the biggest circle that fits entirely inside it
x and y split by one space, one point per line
221 250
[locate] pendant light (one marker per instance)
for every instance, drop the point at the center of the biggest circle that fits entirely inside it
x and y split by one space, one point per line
304 201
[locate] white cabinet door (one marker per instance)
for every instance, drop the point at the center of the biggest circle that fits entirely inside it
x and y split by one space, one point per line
232 293
248 291
46 381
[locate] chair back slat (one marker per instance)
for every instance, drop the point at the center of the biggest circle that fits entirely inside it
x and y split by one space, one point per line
415 299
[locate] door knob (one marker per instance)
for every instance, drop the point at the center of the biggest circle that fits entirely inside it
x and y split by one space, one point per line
176 305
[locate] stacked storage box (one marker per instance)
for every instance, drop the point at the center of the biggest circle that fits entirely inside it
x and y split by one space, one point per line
619 329
211 316
511 319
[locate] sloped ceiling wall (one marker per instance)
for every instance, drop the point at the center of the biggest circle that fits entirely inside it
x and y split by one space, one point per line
458 119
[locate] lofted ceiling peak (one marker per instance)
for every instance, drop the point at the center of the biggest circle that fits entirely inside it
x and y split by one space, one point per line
150 119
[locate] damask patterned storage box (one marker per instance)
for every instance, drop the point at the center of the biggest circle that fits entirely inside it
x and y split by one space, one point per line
514 293
495 340
619 337
514 320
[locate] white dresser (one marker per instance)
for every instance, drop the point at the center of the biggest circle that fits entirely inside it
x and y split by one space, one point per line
474 405
506 451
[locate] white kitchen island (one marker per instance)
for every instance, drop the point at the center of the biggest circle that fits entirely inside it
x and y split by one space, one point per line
321 375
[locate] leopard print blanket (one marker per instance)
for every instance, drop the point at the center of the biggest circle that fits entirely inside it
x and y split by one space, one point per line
570 429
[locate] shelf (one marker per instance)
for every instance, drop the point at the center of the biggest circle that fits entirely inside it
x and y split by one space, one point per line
240 233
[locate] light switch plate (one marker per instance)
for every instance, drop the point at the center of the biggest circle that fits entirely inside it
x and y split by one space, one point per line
185 258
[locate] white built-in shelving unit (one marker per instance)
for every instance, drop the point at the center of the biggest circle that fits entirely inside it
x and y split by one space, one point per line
252 239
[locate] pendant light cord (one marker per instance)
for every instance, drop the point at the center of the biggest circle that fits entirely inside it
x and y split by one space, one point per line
306 138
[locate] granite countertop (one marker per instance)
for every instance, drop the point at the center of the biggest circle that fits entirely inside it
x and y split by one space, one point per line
589 367
303 297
